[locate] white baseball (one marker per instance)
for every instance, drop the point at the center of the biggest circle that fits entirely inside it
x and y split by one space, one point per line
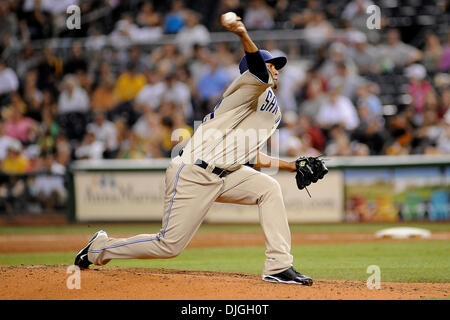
229 17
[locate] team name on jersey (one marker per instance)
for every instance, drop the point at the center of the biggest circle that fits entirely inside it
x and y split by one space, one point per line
270 103
210 116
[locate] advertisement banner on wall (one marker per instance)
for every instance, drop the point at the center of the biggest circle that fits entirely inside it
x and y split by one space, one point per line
397 194
138 196
118 196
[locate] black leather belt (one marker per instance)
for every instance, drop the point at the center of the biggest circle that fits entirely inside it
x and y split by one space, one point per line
202 164
220 172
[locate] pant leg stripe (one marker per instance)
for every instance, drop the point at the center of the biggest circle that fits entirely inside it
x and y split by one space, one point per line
165 226
171 200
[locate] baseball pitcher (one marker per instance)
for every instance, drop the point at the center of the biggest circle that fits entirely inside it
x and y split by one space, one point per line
212 168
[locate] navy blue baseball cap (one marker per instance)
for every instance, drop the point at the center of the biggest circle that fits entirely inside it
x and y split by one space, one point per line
278 62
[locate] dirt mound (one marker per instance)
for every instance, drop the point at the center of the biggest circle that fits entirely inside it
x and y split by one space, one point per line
50 282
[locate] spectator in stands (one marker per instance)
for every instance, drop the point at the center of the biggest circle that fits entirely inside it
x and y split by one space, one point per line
48 102
104 98
122 35
228 59
178 93
306 126
5 141
175 19
444 102
14 162
32 96
366 98
198 62
370 130
355 7
35 163
147 126
73 98
96 41
339 142
318 31
337 54
192 33
39 22
49 184
443 141
183 131
287 133
306 147
348 82
136 58
396 53
433 53
133 148
16 103
291 78
48 132
429 133
63 150
166 143
400 129
76 61
8 82
363 54
105 131
103 72
418 86
148 17
20 127
337 109
150 95
258 16
444 63
282 13
50 69
212 83
129 84
8 21
13 190
26 60
167 58
313 93
355 13
90 148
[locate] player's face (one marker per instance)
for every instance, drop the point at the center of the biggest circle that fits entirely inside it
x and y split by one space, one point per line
274 73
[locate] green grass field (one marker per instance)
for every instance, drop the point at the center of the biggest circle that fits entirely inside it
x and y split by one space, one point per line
400 261
135 228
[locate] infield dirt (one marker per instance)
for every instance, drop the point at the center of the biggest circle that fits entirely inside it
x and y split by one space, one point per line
49 281
113 283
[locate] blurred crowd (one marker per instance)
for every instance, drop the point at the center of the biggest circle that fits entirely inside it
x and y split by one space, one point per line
109 94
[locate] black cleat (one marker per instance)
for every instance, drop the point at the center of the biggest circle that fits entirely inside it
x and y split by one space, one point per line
81 259
289 276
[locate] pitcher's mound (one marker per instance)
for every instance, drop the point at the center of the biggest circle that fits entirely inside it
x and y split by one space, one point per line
51 282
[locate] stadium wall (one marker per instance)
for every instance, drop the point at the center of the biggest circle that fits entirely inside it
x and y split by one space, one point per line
365 189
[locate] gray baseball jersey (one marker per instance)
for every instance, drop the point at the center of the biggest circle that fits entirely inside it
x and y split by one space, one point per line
239 125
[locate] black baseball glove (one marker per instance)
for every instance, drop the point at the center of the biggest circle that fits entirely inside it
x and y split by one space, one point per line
309 170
